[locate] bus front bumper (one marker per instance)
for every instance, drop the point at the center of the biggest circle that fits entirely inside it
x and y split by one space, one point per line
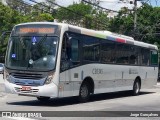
50 90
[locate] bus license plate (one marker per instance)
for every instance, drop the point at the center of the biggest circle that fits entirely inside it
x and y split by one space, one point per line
26 88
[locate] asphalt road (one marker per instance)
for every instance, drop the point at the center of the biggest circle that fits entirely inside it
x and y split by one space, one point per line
148 100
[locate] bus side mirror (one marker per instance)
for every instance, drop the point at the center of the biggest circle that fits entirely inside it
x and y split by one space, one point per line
3 35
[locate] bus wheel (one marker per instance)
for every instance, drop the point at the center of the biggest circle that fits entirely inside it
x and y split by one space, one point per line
43 99
136 87
84 93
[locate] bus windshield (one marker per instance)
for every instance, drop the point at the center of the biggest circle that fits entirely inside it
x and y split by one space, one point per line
37 53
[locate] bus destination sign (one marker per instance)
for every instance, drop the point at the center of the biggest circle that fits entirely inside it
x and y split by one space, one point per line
43 30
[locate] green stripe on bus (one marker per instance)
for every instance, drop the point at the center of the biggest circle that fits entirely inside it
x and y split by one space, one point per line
100 36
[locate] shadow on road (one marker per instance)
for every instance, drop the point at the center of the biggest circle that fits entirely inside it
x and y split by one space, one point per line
74 100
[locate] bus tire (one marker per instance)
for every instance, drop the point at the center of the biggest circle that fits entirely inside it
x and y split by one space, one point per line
43 99
136 87
84 92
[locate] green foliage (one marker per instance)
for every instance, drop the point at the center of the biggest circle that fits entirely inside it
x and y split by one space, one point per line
19 6
45 17
122 24
83 15
14 14
75 14
148 19
147 24
8 18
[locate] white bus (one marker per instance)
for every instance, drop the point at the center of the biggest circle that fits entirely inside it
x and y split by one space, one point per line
55 60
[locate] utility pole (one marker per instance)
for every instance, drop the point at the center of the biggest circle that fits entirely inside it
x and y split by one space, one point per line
135 16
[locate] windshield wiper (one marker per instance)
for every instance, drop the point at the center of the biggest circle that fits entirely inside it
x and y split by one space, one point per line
42 40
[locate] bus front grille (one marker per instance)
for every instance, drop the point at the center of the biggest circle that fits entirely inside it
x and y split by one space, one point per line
19 90
28 84
27 76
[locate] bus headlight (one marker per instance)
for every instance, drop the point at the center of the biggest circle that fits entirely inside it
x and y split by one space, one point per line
49 79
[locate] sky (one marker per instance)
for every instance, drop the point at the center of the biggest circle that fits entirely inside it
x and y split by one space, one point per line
109 4
155 3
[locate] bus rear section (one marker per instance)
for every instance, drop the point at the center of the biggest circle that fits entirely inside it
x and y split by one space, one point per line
93 64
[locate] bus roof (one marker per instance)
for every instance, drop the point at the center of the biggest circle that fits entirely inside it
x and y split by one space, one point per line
100 34
111 36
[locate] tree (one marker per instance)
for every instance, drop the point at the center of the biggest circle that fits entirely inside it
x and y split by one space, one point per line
51 6
8 18
74 14
83 15
20 6
147 22
45 17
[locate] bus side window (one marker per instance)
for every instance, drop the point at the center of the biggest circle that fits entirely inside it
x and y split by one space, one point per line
154 57
145 56
66 48
133 59
74 52
64 55
70 52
